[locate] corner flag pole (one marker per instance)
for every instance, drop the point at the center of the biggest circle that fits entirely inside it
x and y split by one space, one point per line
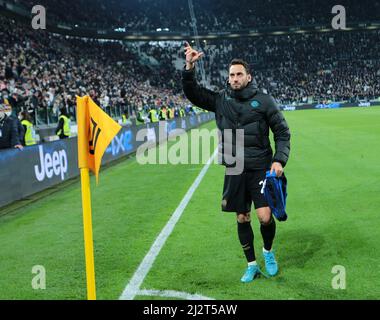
82 115
87 228
95 123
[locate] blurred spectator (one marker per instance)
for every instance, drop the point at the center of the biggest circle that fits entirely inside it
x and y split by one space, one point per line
12 116
63 129
8 130
125 119
141 116
29 137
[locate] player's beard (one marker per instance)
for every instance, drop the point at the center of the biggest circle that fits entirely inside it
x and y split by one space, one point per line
239 87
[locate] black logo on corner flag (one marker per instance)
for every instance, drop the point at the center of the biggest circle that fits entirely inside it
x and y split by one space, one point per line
94 133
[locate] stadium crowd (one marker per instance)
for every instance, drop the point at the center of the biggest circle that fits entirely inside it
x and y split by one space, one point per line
211 15
307 68
43 72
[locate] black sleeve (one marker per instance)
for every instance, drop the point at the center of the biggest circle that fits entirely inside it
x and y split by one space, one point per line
199 96
22 139
281 132
21 130
60 126
15 139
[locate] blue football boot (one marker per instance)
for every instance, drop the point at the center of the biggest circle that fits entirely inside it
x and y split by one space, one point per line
270 263
250 274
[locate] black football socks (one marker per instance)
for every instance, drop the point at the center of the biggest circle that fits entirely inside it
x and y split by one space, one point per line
245 234
268 232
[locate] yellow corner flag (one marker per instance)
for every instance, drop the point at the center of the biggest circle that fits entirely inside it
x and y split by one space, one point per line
95 131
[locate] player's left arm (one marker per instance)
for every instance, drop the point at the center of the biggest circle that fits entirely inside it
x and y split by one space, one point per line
281 135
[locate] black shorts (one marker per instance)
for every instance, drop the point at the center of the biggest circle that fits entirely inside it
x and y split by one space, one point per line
240 190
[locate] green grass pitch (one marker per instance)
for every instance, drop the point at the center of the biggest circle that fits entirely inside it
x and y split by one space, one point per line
333 208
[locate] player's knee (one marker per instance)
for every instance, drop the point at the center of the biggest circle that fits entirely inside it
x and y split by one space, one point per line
265 220
243 217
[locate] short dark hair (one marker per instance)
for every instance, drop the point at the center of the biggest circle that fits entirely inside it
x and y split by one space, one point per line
241 62
63 111
26 115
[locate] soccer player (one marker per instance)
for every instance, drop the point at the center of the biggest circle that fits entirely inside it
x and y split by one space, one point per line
243 106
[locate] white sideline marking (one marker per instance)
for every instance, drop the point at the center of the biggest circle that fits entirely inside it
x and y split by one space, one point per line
134 284
172 294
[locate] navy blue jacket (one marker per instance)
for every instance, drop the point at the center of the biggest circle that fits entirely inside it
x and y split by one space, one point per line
9 133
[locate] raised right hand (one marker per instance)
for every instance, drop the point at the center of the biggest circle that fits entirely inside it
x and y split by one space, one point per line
192 56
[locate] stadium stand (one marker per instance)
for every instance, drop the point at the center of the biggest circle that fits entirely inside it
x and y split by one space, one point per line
43 72
212 15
